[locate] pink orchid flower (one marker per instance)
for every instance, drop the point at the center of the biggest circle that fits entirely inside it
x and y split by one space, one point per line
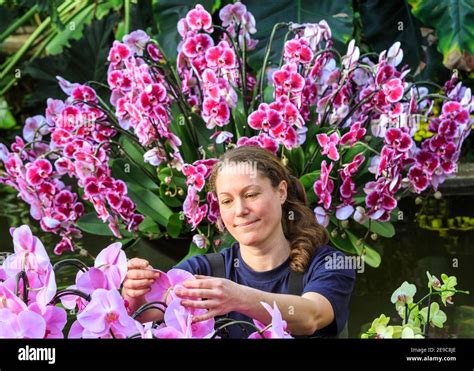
277 329
106 314
163 287
178 320
328 144
113 262
24 325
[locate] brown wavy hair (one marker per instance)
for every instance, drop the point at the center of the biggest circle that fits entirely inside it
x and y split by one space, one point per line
298 221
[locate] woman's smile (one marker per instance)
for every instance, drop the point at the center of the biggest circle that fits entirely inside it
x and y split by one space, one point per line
246 224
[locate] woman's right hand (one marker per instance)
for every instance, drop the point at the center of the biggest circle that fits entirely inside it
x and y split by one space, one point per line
138 280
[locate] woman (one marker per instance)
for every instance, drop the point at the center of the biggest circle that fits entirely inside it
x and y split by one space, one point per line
264 208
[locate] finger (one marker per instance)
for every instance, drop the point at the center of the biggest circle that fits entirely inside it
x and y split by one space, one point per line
138 284
199 283
195 293
210 314
141 274
137 263
136 293
201 304
200 276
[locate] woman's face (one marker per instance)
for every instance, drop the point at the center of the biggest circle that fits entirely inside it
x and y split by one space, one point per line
250 207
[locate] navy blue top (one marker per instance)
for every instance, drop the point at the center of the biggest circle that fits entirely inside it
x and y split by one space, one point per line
331 281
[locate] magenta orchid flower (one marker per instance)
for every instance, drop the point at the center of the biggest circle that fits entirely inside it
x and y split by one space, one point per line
199 19
328 144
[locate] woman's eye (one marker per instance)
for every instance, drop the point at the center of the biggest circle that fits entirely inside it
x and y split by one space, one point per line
225 202
251 195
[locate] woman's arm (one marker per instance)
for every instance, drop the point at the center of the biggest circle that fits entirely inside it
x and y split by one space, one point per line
303 314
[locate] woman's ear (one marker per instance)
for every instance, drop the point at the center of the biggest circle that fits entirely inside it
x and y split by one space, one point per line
283 191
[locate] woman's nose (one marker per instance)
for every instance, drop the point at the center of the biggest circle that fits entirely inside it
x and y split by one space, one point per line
241 207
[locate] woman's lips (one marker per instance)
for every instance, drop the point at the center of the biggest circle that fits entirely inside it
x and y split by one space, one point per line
247 223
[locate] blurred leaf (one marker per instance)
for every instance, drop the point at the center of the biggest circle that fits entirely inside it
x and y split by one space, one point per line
343 244
453 21
296 159
85 60
149 204
308 181
193 251
7 121
175 224
371 256
90 223
168 200
131 173
385 229
72 30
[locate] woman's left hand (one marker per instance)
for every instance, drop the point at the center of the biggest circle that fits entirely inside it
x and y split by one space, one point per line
223 296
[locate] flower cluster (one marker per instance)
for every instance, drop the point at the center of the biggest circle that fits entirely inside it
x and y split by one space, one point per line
80 138
28 298
140 96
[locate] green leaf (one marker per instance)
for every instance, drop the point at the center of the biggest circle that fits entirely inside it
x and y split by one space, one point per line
193 251
149 204
149 226
343 244
349 154
385 229
453 21
296 159
90 223
338 15
370 255
7 121
170 201
72 30
175 225
308 181
132 174
84 61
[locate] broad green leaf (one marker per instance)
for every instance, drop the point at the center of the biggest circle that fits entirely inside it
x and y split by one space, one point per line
453 21
193 251
308 181
175 224
72 30
132 174
149 204
7 121
90 223
370 255
85 60
384 229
